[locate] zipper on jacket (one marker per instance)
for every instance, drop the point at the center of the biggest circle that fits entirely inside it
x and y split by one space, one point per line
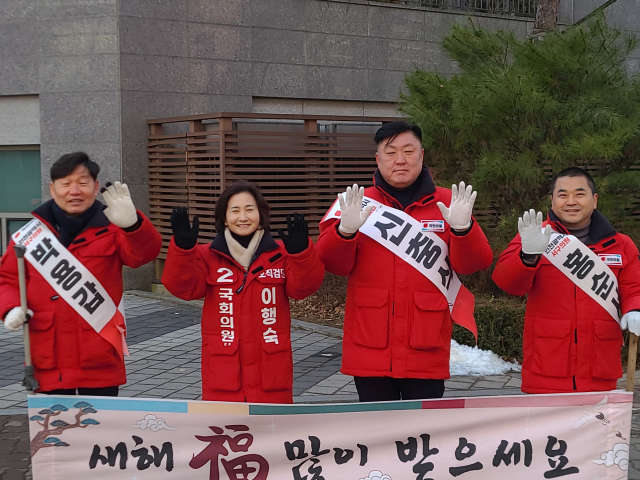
243 282
574 383
575 335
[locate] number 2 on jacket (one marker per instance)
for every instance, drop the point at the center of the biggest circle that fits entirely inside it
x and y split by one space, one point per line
226 277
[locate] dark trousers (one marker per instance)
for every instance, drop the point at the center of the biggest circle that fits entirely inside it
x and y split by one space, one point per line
381 389
90 392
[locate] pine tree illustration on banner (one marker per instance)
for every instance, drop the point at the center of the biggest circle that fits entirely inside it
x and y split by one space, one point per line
48 436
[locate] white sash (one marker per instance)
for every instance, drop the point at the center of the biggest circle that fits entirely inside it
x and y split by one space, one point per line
405 237
586 269
71 280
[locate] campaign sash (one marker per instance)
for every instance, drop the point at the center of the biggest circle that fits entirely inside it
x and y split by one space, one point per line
425 251
586 269
73 282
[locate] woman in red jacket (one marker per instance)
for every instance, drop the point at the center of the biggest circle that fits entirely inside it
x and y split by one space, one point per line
246 278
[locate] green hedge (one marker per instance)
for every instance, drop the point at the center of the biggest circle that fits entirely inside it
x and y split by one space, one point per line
500 326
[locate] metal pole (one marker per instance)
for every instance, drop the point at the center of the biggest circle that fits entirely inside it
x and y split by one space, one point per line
631 363
29 380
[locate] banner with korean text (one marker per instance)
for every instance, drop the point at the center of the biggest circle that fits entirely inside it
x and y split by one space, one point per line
575 436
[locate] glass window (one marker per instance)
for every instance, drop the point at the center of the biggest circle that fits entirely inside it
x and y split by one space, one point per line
20 181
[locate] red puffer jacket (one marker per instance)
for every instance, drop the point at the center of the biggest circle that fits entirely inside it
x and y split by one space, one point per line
571 343
246 323
66 351
397 322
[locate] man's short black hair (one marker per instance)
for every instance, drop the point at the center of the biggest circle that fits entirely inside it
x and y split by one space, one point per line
68 162
393 129
574 172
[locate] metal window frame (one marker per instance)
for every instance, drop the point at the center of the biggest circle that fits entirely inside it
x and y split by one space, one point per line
4 216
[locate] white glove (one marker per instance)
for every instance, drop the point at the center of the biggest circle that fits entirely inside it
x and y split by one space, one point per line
458 215
631 320
120 209
352 216
534 240
16 318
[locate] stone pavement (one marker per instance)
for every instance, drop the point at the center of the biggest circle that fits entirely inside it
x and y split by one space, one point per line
164 342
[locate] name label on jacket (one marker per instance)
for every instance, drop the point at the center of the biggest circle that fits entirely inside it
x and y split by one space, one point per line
611 259
425 251
432 225
587 270
71 280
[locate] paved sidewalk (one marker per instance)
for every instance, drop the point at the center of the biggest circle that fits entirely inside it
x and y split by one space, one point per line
164 342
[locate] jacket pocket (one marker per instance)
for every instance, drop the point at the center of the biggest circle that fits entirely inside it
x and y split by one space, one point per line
102 247
372 317
605 359
95 351
220 364
277 364
42 335
551 347
429 315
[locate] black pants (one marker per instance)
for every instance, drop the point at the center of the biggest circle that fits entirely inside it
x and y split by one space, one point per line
90 392
380 389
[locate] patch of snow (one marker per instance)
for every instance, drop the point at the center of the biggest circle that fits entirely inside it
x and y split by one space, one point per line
467 360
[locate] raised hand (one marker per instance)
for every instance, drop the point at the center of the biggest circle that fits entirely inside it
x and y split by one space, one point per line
120 209
458 214
352 217
297 238
534 239
184 235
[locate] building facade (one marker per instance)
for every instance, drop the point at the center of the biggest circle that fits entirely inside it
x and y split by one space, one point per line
87 74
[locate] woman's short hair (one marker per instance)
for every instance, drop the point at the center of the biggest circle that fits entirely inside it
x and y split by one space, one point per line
220 212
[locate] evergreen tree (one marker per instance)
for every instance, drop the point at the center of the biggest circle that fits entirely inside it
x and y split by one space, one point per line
520 111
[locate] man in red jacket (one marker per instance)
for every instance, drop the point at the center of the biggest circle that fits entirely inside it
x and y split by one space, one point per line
401 263
569 271
76 248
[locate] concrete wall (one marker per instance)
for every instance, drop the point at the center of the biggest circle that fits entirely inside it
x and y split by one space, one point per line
181 57
66 51
19 120
624 14
101 68
185 57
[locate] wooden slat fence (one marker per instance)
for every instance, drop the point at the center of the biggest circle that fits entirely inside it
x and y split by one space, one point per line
300 162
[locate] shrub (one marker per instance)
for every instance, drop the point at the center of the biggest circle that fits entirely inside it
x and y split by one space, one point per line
500 324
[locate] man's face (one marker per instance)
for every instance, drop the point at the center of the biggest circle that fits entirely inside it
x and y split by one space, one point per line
76 192
400 161
573 202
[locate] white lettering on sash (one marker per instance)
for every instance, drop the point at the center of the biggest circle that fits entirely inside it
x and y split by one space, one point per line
586 269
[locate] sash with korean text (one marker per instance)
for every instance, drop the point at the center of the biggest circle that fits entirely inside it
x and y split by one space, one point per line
586 269
425 251
73 282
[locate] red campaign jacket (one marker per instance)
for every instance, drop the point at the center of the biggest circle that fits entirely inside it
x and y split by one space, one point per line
65 350
397 322
244 363
571 343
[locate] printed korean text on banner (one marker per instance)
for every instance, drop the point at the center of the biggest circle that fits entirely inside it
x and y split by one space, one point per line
425 251
75 284
587 270
569 436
